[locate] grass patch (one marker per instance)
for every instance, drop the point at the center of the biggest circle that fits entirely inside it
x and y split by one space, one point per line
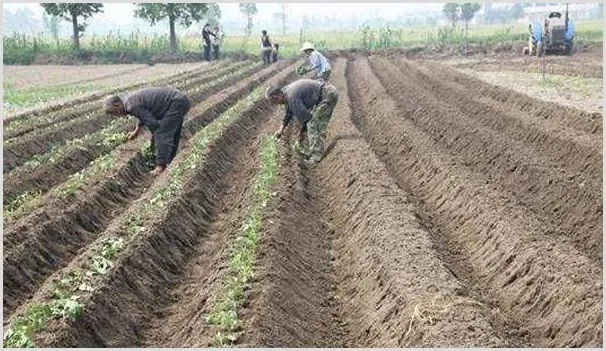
136 47
65 301
224 313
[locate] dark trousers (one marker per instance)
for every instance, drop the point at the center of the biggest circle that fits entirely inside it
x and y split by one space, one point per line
207 52
216 51
267 57
166 138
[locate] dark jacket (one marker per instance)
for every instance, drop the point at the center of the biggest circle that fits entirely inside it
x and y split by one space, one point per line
301 97
151 104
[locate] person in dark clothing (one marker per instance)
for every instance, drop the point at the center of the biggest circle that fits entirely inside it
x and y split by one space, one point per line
266 47
312 102
162 111
274 53
206 33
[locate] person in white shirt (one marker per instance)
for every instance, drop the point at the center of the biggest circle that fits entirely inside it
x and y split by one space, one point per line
317 63
217 41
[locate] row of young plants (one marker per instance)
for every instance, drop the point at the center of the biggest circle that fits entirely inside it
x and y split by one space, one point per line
96 171
76 103
224 311
31 200
68 294
20 127
106 139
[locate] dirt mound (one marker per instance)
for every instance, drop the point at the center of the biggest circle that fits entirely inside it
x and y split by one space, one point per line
446 212
547 288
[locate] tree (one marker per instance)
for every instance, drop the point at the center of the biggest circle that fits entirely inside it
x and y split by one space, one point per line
51 25
305 22
248 9
213 14
468 10
182 13
21 21
73 12
281 16
517 11
451 11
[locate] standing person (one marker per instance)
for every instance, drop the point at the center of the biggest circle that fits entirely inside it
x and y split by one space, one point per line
274 53
266 47
312 102
217 41
206 34
161 110
317 63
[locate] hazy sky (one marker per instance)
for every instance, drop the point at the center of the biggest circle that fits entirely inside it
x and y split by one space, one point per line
123 12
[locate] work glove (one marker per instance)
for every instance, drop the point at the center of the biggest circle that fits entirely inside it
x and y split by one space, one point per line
301 70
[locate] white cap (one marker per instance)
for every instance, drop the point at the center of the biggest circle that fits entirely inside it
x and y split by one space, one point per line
307 46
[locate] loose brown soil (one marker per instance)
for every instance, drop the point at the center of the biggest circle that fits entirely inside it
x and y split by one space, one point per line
44 117
447 212
153 280
544 285
103 75
18 151
92 209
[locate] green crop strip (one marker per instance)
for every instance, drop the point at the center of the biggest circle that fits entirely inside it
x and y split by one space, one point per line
97 167
65 301
109 138
180 82
224 313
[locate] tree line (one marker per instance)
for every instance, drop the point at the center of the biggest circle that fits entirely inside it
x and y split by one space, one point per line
183 14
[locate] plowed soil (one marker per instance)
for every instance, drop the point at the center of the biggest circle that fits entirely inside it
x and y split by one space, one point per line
447 212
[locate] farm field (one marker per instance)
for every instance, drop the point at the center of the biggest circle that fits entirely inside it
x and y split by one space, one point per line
447 212
574 81
34 85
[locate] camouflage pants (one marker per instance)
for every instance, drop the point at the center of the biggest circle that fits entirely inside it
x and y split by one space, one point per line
325 76
316 127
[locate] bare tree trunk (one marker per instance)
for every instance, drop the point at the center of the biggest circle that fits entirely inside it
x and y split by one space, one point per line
466 35
173 34
76 36
249 24
283 18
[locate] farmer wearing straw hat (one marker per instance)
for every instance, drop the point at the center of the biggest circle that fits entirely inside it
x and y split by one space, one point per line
162 111
312 102
317 62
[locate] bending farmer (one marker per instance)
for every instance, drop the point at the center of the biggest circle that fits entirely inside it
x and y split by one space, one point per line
317 62
162 111
312 102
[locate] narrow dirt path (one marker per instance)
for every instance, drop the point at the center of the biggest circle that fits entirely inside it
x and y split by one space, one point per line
292 298
180 321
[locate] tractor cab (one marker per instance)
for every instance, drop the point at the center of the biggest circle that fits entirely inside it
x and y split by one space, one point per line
554 29
553 35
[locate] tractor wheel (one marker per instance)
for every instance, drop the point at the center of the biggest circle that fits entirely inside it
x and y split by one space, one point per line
568 49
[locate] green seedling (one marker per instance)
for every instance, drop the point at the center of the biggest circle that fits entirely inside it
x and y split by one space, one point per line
224 313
